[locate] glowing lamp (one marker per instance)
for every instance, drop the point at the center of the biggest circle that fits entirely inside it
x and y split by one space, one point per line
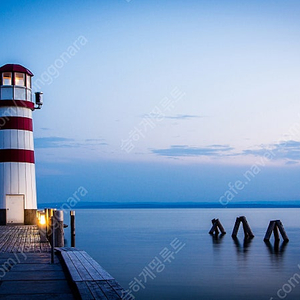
42 219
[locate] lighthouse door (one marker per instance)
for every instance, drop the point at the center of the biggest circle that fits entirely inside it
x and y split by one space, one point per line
15 209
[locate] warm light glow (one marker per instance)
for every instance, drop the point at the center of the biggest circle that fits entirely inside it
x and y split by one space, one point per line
19 79
42 220
6 78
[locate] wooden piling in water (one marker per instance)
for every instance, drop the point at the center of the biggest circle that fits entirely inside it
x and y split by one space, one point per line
216 226
247 230
59 228
274 226
49 222
72 225
52 241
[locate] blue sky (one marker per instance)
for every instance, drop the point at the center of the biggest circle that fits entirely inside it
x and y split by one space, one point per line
161 100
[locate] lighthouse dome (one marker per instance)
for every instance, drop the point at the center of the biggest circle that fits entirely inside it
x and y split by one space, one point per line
15 68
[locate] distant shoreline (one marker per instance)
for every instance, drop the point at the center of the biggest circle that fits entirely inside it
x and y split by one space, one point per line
153 205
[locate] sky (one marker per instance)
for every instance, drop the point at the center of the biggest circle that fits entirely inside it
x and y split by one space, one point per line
164 101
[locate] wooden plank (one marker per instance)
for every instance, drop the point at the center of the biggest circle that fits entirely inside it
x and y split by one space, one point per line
35 287
116 286
84 274
84 291
34 275
36 267
88 266
109 292
71 268
96 290
49 296
99 269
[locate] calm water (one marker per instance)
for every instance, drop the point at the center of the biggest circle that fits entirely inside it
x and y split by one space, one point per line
125 241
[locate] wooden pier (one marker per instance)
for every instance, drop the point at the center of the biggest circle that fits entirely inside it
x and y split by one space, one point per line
26 271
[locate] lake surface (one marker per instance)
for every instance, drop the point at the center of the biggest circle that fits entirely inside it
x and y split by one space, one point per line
129 242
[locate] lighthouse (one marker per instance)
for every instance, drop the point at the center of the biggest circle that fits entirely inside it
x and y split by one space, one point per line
18 202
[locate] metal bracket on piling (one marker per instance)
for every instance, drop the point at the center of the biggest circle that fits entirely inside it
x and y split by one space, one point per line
216 226
273 227
247 230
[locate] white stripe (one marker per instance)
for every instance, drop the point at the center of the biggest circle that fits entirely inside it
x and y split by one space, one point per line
16 139
18 178
13 111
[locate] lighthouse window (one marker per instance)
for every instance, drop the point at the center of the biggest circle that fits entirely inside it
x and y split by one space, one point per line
28 81
20 79
6 78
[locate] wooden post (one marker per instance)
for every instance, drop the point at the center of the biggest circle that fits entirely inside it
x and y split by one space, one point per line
49 228
269 230
47 220
72 221
273 227
282 231
52 229
216 226
247 230
59 228
221 227
276 233
236 227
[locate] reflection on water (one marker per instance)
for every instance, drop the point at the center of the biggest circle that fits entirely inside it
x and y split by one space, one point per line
212 267
242 248
276 248
217 238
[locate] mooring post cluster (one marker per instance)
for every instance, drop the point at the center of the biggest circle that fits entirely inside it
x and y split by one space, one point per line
274 226
247 230
51 222
216 226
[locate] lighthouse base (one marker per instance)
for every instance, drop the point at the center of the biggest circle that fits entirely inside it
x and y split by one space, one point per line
29 217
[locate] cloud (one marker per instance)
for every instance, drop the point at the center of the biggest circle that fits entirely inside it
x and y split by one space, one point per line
291 162
175 117
183 117
285 150
60 142
99 142
288 151
52 142
184 150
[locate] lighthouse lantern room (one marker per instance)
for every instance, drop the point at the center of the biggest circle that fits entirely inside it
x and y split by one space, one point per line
17 166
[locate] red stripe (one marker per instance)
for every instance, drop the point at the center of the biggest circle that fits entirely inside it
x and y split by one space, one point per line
17 103
16 155
20 123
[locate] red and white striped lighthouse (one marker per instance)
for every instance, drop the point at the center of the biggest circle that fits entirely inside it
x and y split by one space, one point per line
17 168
